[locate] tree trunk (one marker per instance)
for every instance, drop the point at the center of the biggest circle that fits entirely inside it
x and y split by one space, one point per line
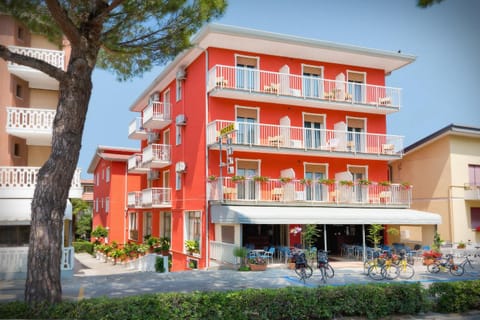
54 180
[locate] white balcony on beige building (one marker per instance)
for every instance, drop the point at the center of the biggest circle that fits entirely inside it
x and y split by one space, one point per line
36 78
32 124
472 192
290 89
20 182
157 115
156 156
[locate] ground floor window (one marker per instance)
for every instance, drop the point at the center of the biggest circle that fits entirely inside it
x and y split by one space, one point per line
147 224
166 225
14 236
132 226
193 225
475 216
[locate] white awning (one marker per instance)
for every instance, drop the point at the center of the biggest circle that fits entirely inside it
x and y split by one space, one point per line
319 215
18 211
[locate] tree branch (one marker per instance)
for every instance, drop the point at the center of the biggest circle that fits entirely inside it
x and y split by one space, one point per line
67 26
34 63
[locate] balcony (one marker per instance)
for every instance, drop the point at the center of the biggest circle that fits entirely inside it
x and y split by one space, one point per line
472 192
134 199
274 87
157 198
309 192
136 129
267 138
20 182
157 115
156 156
33 125
36 78
135 164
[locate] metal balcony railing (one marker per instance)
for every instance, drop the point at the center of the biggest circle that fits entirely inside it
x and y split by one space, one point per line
157 198
302 87
156 115
156 155
472 191
276 136
53 57
134 199
289 191
136 129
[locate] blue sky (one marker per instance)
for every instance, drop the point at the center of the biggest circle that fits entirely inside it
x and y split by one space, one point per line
441 87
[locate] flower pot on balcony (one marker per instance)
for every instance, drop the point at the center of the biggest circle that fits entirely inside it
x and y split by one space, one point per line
258 267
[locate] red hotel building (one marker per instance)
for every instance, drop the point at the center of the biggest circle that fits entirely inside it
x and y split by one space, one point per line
248 134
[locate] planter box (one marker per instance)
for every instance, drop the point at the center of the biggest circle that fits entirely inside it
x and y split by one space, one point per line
258 267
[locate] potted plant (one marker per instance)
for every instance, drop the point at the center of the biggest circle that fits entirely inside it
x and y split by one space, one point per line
257 264
327 182
238 179
212 178
347 183
406 185
260 179
461 245
192 246
285 179
430 256
241 253
385 183
306 181
164 245
364 182
152 242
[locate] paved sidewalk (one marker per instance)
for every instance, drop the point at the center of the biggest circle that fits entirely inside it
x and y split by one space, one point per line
94 278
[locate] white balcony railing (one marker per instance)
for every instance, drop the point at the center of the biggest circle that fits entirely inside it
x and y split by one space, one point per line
136 129
156 115
157 198
53 57
134 199
30 119
310 88
275 136
156 155
19 182
472 192
275 190
222 251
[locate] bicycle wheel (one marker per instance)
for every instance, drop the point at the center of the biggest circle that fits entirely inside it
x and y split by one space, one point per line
390 272
366 265
406 271
433 268
456 270
329 272
375 272
322 274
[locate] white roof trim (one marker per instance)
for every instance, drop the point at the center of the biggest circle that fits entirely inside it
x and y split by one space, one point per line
320 215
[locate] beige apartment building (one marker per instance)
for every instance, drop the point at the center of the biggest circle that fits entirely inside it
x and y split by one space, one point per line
444 169
28 101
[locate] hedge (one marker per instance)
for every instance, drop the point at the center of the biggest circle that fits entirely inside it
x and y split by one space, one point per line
372 301
83 246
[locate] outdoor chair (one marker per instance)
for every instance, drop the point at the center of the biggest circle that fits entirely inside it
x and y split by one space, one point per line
268 255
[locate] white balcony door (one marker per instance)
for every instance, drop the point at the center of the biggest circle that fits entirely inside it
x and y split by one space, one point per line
312 82
246 189
247 76
315 191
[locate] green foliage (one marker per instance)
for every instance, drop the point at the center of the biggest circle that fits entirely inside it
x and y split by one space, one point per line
164 243
84 226
374 234
192 246
437 241
83 246
372 301
100 232
427 3
159 265
241 252
309 234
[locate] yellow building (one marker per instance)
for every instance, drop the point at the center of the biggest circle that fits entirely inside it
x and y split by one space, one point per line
444 169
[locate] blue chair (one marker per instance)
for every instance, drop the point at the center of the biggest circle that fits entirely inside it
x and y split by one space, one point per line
268 255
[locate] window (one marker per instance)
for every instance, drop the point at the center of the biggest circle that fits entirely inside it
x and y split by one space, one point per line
147 224
178 136
474 174
166 98
247 189
132 226
314 130
178 181
192 225
97 179
19 91
247 74
16 150
356 134
107 204
20 33
247 126
96 205
179 90
312 81
107 175
475 217
315 191
166 225
14 236
228 234
356 86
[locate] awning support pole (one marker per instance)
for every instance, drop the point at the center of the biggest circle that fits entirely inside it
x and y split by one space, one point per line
325 236
364 243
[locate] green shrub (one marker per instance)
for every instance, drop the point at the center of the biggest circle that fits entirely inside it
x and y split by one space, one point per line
83 246
372 301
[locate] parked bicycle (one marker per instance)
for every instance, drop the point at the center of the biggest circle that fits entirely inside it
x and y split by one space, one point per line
326 270
464 263
446 263
302 269
406 269
383 268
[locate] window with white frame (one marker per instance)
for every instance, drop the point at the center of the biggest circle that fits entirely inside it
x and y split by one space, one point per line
193 225
178 181
179 90
107 175
166 225
147 224
96 205
132 226
107 204
178 135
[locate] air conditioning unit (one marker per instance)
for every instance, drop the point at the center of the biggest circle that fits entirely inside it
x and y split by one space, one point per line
181 120
152 137
180 166
152 175
181 74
